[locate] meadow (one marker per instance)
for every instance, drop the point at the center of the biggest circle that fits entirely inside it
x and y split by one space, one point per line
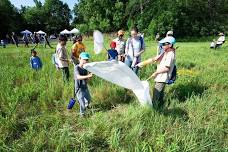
34 115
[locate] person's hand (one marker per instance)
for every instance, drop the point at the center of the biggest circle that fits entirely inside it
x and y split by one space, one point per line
90 75
139 65
68 61
154 75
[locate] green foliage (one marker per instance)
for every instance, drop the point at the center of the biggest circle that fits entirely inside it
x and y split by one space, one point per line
10 18
52 17
33 114
186 18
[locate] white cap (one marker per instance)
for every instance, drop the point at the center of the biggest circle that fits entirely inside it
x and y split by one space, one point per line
169 33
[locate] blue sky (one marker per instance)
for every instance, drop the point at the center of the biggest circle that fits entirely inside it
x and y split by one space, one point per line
18 3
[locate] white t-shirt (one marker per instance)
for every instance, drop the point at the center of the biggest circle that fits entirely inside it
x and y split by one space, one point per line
168 60
61 52
120 45
221 39
136 43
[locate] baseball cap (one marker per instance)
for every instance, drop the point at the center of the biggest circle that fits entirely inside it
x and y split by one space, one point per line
120 32
168 39
84 55
113 44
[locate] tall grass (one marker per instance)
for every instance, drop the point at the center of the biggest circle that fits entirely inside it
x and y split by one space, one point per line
33 114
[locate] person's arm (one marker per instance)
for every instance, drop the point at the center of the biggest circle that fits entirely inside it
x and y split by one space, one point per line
161 70
60 55
127 47
142 48
72 52
83 77
148 61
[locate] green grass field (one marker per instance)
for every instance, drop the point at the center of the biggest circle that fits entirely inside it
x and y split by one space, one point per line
33 114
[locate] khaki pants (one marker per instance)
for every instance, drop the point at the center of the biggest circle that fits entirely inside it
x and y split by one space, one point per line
158 95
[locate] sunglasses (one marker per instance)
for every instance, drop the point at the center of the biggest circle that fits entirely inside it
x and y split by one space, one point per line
164 44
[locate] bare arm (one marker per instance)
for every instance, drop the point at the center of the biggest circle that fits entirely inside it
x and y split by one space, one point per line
84 77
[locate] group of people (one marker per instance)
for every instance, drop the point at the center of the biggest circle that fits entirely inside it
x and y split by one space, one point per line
35 38
128 51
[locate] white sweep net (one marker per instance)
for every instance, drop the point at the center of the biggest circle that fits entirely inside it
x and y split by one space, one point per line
98 41
118 73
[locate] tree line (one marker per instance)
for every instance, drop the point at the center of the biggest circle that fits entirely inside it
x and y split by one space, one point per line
187 18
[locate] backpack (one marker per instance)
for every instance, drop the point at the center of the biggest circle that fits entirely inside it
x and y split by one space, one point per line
173 76
53 58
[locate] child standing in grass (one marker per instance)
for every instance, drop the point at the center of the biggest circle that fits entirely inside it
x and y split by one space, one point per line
81 77
77 48
61 57
35 61
166 63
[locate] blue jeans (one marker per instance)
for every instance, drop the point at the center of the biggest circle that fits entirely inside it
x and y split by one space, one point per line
84 98
128 62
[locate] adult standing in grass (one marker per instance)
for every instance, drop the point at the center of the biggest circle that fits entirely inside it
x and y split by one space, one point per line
135 46
46 42
62 58
26 40
15 39
120 45
36 39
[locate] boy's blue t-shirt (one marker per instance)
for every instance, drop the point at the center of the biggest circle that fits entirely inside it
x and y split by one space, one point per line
112 54
35 62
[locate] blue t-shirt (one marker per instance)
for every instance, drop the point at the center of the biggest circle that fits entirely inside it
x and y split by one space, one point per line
35 62
112 54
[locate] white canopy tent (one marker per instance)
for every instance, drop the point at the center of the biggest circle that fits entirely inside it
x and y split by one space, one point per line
65 32
41 32
26 32
74 31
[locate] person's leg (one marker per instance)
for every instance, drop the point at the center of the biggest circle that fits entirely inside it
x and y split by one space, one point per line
81 101
87 97
49 44
158 94
66 74
128 62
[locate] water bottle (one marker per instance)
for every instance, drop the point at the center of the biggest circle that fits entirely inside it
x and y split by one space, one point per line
71 103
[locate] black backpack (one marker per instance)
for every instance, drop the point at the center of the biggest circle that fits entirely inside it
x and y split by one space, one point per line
173 75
